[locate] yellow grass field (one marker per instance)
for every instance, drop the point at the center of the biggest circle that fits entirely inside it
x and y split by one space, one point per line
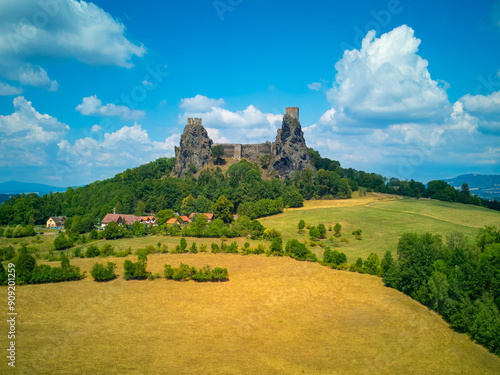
274 316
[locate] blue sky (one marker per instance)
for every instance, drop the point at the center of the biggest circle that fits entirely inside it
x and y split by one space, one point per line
404 88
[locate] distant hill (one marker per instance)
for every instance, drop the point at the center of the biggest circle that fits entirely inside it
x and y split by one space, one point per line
484 185
16 187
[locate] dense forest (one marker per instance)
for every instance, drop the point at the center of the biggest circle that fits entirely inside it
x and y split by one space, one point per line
151 188
457 279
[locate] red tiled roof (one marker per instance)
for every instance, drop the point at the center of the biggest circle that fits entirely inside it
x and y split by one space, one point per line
184 218
192 215
129 219
209 216
172 220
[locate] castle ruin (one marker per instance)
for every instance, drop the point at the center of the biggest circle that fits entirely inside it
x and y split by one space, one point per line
287 154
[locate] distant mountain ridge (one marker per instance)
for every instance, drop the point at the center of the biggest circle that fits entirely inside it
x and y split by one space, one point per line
487 186
16 187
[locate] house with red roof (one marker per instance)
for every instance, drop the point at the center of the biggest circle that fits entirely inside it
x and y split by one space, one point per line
118 219
172 221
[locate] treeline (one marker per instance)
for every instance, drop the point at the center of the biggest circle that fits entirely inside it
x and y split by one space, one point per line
436 189
29 272
458 280
150 188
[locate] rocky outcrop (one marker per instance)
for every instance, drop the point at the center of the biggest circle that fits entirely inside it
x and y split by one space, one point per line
289 151
195 148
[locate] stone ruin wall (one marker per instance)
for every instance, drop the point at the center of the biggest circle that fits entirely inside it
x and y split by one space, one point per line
251 152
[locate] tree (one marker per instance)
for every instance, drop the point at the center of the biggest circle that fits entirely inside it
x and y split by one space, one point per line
113 231
371 264
465 193
222 209
64 262
337 228
62 242
24 267
276 246
183 245
296 250
357 233
217 154
103 273
264 161
322 231
314 233
301 226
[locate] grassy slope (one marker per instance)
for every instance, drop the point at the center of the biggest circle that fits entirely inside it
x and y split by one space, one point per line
274 316
383 218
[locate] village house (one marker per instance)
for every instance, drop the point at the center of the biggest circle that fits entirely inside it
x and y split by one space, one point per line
148 220
209 216
118 219
56 222
172 221
184 219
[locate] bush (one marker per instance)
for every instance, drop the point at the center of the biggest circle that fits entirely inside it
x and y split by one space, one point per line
92 251
193 249
334 258
296 250
124 253
357 233
135 271
337 228
321 231
106 250
344 240
215 248
203 248
276 247
103 273
62 242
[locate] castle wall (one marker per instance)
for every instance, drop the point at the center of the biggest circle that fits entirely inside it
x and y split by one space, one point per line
251 152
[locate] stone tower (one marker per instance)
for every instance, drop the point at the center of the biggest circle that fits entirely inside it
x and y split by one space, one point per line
195 148
293 112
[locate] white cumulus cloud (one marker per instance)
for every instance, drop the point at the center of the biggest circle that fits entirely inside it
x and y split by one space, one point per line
200 103
387 79
92 105
249 124
127 146
25 134
8 90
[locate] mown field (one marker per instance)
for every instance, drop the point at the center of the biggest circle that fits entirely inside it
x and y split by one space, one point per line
274 315
383 219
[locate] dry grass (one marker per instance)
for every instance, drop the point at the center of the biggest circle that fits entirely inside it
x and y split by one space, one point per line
274 316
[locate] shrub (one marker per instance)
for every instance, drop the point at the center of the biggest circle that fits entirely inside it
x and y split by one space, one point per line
344 240
106 250
276 247
183 245
260 249
215 248
219 274
314 233
333 258
337 228
357 233
124 253
322 231
296 250
135 271
92 251
203 248
372 264
183 272
62 242
194 249
103 273
232 248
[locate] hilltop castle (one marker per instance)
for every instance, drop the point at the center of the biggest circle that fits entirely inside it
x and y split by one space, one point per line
287 154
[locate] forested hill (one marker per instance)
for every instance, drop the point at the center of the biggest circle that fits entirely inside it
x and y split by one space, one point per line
151 188
486 186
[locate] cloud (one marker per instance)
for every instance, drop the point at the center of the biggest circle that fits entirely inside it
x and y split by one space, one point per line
8 90
92 106
316 86
200 103
95 128
387 80
240 126
127 146
215 135
33 76
31 31
26 133
482 105
64 29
